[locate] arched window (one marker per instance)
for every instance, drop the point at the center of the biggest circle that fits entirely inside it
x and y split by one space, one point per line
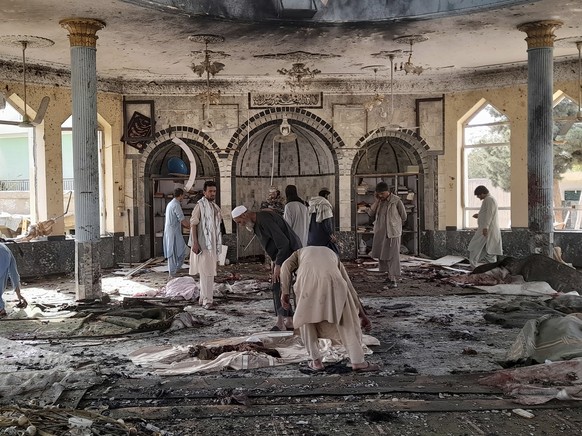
567 143
14 147
68 175
486 161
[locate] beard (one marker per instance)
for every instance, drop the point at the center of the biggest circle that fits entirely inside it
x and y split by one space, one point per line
250 226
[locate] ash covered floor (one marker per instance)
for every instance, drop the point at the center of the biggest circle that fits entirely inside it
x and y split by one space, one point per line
434 346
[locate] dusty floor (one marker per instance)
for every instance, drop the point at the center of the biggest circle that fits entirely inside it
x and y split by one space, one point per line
434 346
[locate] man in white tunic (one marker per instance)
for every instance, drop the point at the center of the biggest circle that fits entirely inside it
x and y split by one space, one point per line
174 245
327 305
486 243
296 213
206 243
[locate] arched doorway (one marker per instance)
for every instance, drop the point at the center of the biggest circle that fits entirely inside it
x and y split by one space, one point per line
168 166
398 158
308 161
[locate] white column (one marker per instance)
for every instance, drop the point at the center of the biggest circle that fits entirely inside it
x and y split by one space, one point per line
83 40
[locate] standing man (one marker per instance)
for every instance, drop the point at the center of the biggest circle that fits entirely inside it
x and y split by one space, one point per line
206 243
389 213
321 225
279 241
296 213
486 243
8 270
174 245
327 305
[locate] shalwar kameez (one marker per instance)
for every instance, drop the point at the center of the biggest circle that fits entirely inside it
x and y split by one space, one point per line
485 248
174 245
8 270
327 305
297 217
389 216
206 217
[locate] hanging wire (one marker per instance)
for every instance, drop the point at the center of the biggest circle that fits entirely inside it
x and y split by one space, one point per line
391 87
273 162
579 47
24 45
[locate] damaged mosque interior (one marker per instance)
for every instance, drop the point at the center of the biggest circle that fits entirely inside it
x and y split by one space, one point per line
108 107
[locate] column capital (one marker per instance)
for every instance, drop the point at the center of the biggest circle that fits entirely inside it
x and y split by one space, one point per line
540 34
82 31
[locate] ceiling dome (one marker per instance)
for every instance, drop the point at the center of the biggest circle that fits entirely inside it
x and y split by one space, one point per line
386 155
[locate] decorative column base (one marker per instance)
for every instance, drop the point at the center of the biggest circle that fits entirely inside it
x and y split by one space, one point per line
87 270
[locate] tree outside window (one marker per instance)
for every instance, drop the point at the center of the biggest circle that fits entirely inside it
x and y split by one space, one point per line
567 143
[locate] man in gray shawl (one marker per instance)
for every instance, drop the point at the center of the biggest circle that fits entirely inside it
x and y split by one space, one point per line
389 213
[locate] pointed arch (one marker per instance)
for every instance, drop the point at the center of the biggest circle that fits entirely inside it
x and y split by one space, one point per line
405 148
485 133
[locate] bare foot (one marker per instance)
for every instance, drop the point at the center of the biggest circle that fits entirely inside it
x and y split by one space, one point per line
316 365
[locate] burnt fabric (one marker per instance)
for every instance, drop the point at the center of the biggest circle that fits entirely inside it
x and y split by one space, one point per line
538 268
547 338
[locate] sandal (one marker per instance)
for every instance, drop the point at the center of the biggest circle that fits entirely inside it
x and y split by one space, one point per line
310 369
370 367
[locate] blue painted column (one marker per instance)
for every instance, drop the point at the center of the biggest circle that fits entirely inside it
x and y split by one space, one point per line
83 40
540 157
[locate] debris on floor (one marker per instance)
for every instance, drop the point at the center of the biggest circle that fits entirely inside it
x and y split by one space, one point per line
53 420
132 358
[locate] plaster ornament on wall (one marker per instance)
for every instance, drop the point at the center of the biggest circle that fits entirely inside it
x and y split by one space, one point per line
288 99
299 70
138 120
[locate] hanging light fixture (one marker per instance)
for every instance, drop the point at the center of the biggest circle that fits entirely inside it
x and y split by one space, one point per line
209 69
408 67
285 135
26 122
24 42
378 98
579 114
389 124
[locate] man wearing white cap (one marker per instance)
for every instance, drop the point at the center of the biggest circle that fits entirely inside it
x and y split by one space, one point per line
279 241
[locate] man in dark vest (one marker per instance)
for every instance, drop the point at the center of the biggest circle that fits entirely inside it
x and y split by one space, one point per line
279 241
